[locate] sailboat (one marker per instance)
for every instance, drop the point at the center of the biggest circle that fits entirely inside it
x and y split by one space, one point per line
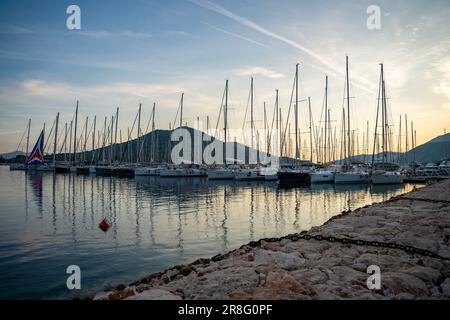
350 174
250 173
384 172
323 175
223 172
35 160
294 174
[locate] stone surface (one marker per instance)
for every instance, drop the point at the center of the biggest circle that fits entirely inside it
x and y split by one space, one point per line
322 270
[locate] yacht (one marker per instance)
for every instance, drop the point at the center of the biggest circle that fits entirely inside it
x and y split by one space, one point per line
221 173
294 175
356 175
182 171
270 173
386 173
387 177
249 175
147 171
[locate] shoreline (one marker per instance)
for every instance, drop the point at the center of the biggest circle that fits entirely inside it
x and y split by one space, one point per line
406 237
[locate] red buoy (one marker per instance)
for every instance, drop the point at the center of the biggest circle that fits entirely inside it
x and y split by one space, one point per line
104 225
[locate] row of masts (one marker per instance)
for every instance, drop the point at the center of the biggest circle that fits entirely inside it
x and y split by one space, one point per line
324 144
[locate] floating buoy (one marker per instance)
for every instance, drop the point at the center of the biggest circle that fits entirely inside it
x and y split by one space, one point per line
104 225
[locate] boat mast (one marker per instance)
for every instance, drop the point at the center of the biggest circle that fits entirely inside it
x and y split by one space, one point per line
282 142
297 151
138 136
152 146
93 139
412 142
85 139
399 142
348 111
383 115
104 142
328 137
278 136
310 130
326 120
65 143
115 133
181 109
56 137
75 135
28 134
111 128
225 113
265 129
406 138
251 112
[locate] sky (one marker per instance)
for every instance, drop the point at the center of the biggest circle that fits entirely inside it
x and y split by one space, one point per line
143 51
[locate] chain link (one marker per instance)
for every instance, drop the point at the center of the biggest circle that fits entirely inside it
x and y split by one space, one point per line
359 242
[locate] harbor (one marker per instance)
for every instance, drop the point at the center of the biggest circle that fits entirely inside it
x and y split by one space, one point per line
407 237
224 152
51 220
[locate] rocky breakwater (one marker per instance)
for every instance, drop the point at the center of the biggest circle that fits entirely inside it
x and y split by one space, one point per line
406 237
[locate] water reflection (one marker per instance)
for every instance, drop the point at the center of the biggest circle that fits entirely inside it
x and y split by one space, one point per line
155 223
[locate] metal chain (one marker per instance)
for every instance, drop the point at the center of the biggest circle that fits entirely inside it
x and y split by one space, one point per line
359 242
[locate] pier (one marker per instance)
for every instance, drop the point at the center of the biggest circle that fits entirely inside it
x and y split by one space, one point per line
406 238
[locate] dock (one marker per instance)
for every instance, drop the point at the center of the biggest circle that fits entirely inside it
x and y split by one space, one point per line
406 238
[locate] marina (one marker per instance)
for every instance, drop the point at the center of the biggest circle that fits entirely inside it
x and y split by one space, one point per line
224 150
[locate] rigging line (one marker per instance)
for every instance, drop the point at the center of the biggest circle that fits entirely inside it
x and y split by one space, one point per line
376 121
48 137
65 140
271 127
23 135
129 136
146 132
245 116
287 118
220 112
176 115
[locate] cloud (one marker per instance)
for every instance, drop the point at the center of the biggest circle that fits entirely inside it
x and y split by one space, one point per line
8 133
101 34
15 30
237 36
441 86
363 83
58 89
252 71
177 33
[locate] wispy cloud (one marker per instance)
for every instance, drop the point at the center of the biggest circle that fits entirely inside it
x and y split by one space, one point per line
179 33
57 89
237 36
253 71
8 133
108 34
363 83
15 30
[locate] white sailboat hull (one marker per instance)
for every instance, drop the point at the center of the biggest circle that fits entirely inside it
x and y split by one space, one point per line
322 177
351 177
146 171
387 178
221 174
174 173
249 176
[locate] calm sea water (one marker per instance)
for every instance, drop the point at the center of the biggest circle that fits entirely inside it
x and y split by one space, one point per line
48 222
